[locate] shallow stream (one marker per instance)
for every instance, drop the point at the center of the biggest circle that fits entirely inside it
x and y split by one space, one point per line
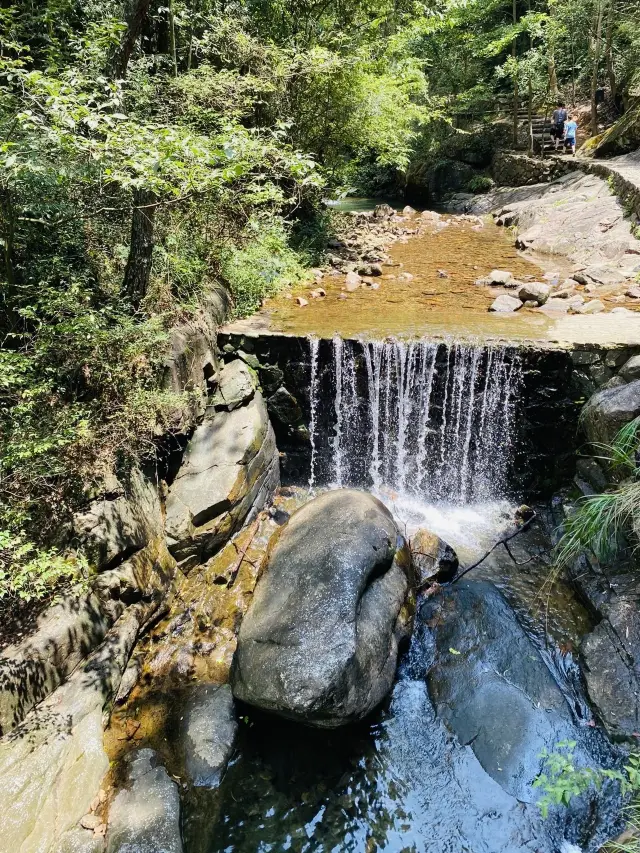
490 678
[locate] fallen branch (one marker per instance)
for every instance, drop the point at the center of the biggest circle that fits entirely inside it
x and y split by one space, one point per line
503 541
252 531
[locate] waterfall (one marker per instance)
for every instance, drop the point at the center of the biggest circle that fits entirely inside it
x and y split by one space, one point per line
313 393
423 419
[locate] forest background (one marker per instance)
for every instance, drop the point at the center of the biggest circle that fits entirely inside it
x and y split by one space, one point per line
150 152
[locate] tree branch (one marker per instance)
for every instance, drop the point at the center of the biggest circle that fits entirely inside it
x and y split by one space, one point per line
503 541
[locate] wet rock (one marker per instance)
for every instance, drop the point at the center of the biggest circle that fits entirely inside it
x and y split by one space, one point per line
633 292
630 371
492 688
609 410
534 292
208 734
236 386
611 653
505 304
284 407
408 210
301 301
590 471
271 378
229 468
500 277
145 817
320 640
433 559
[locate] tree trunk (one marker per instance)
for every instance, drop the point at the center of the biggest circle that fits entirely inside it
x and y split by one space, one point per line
8 313
530 116
136 19
138 270
597 40
516 94
611 72
553 77
172 40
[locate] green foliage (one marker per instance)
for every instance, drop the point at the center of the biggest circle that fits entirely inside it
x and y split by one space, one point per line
28 573
480 184
561 780
261 267
600 523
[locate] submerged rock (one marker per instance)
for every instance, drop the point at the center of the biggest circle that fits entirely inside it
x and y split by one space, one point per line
208 733
145 817
320 640
492 689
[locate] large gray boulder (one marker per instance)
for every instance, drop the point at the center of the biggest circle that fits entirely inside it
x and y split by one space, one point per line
319 642
236 385
609 410
230 468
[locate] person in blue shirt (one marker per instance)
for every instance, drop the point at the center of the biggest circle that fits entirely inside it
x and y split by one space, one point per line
570 133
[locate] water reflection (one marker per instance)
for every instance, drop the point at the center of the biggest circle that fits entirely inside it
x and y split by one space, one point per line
400 783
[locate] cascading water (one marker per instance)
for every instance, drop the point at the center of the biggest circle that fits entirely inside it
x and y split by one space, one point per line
423 419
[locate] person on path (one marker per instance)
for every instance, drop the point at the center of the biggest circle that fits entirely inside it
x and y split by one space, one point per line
558 120
570 133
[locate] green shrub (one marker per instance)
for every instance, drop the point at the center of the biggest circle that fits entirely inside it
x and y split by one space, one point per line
261 266
561 780
600 523
28 573
480 184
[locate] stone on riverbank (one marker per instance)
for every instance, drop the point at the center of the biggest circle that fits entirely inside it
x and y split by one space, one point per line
433 558
534 292
230 467
500 277
505 304
319 642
